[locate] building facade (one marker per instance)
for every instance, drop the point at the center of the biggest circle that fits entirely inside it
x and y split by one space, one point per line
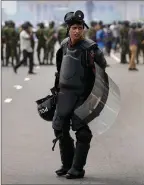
37 11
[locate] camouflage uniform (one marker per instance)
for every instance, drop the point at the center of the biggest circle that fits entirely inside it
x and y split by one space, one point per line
62 33
50 43
40 34
11 38
92 31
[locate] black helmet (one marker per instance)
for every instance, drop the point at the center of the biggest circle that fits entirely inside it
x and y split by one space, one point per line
46 107
52 24
126 23
133 25
139 25
74 18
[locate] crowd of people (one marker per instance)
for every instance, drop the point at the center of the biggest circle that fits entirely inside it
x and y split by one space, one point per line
125 37
20 44
79 61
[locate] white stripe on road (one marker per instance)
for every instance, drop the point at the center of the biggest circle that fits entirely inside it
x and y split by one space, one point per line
37 67
115 57
8 100
26 79
18 87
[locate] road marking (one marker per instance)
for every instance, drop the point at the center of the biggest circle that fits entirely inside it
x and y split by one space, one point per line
115 57
8 100
18 87
37 67
26 79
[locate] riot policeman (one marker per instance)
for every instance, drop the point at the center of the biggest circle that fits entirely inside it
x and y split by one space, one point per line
75 61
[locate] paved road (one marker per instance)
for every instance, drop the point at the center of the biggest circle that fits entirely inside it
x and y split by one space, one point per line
115 158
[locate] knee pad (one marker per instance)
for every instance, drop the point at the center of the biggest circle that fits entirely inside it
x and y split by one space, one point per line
64 137
84 135
57 132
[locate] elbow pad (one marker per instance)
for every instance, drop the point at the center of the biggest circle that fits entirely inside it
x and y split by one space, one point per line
100 59
56 84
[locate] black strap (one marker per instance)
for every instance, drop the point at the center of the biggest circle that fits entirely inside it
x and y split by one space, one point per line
55 140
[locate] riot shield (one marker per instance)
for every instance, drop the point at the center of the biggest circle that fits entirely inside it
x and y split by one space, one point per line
102 106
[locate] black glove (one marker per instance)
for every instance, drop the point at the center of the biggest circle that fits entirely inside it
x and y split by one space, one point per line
56 84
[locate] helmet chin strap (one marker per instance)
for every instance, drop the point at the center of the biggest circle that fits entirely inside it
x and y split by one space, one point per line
86 25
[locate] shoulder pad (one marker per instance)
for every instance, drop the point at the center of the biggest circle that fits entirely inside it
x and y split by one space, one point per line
64 41
87 43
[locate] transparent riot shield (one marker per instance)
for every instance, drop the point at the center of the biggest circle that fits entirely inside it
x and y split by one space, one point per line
102 106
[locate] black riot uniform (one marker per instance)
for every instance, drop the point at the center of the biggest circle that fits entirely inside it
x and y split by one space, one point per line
74 81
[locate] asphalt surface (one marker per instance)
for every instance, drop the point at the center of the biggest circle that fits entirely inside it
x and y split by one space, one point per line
115 158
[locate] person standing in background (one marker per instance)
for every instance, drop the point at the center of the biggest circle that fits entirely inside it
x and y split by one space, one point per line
62 32
140 46
115 31
41 42
100 36
124 42
108 39
133 43
11 40
92 31
51 38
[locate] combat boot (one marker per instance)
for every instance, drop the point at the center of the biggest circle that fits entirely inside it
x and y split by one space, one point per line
66 145
79 161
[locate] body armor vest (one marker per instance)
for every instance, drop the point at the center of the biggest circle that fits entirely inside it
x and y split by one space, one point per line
72 71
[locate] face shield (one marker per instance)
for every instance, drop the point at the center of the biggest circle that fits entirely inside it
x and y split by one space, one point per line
102 106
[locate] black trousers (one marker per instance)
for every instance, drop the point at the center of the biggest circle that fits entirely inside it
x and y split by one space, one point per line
26 55
72 158
125 50
68 101
108 47
39 47
2 55
140 48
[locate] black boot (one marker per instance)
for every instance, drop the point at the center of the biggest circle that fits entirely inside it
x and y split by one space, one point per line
66 145
79 161
83 137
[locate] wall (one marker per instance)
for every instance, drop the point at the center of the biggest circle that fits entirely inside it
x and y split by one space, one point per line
107 11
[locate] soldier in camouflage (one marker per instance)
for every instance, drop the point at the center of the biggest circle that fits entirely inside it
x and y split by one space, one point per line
92 31
50 35
11 39
40 34
62 32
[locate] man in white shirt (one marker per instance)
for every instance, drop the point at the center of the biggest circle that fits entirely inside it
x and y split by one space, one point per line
26 48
